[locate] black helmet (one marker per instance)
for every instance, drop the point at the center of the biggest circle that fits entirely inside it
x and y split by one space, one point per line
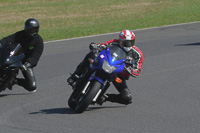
31 27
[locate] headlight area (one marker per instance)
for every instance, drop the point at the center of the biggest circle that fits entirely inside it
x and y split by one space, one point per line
106 67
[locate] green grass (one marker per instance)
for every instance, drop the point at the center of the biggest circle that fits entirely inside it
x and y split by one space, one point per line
61 19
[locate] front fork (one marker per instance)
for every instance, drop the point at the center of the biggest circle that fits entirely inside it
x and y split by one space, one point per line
102 90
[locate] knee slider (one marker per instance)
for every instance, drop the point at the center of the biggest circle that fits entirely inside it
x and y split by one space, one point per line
33 86
126 95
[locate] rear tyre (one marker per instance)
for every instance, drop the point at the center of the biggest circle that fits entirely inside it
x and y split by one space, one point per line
86 100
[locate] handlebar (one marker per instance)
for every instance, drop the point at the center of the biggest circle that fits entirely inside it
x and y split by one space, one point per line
129 71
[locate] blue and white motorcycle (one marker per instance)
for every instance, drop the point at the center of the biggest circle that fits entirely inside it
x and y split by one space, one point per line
95 80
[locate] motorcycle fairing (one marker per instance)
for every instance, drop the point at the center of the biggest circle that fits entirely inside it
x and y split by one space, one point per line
14 61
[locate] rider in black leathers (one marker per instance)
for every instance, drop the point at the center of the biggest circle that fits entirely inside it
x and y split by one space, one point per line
32 45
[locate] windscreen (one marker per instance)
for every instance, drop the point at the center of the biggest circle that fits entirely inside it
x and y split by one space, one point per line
117 52
5 51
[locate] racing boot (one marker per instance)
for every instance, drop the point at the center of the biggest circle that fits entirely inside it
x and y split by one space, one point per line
72 79
118 98
11 83
79 70
102 100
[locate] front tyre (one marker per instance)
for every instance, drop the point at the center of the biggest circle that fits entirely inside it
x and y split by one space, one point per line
86 99
71 100
6 78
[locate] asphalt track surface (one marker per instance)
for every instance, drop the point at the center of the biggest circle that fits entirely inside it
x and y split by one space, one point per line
166 97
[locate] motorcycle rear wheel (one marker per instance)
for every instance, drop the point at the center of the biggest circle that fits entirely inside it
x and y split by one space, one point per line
86 100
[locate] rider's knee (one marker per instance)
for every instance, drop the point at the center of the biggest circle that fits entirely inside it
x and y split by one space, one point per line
32 86
126 95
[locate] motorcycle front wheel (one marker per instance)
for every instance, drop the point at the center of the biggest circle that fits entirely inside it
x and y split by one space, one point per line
72 98
86 99
6 78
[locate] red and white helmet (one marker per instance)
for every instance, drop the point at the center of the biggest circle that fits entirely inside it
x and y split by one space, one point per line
127 38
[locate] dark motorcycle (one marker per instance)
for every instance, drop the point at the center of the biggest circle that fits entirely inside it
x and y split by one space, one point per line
10 63
95 80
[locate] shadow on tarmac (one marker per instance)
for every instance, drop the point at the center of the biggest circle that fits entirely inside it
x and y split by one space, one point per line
191 44
4 95
68 110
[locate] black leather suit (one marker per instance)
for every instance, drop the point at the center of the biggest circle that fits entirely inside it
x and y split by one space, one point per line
33 49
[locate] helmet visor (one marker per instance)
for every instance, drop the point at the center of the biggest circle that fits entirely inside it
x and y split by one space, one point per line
33 31
128 43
